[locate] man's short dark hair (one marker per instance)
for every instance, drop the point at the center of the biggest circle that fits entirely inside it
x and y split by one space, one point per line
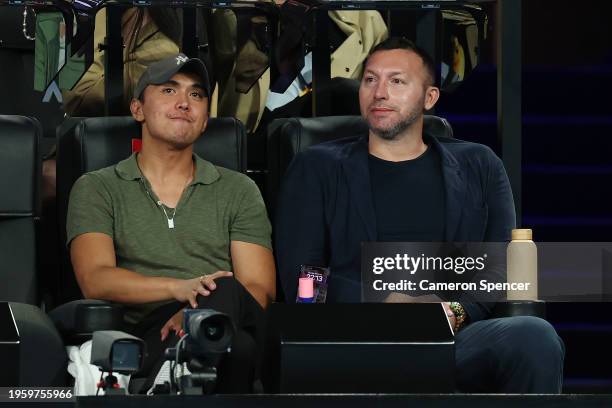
402 43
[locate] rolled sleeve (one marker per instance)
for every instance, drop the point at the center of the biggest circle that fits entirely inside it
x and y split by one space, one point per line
250 222
90 208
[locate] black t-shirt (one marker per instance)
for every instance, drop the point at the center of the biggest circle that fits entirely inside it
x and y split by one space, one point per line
409 198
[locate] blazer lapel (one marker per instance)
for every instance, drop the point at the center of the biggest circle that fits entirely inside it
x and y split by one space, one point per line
455 188
356 171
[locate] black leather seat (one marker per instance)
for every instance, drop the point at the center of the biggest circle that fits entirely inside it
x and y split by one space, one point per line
19 207
88 144
42 357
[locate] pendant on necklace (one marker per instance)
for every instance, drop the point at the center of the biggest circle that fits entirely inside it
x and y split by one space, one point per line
171 223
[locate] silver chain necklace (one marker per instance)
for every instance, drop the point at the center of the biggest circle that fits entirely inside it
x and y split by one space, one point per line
170 220
163 207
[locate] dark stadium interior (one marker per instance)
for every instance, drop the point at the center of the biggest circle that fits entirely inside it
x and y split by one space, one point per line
566 144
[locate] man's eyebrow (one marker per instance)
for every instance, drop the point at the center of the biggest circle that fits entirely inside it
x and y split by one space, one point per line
198 85
392 73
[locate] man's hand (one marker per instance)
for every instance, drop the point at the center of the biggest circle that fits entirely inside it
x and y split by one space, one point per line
175 324
186 290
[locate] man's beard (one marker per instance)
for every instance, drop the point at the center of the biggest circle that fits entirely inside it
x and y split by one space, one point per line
392 132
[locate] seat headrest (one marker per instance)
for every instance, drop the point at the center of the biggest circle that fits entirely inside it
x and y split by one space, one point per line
311 131
19 165
291 136
107 140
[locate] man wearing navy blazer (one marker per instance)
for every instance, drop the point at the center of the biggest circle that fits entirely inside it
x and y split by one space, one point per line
398 184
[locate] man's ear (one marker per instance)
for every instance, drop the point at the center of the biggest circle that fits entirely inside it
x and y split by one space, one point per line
431 97
136 109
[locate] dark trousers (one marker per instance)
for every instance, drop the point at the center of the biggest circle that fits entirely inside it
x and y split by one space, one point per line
238 369
509 355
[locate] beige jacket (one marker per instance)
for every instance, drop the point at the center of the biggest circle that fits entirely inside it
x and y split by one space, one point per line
87 96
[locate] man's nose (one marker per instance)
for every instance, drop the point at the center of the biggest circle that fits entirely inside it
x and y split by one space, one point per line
182 102
381 91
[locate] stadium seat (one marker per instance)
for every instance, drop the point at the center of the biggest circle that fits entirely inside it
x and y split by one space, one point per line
19 209
89 144
19 206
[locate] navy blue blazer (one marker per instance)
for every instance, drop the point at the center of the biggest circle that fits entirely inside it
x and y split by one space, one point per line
326 211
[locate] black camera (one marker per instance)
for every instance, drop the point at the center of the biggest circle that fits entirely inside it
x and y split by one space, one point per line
209 332
208 337
115 351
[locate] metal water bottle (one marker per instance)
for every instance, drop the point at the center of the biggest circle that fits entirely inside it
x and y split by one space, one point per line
522 265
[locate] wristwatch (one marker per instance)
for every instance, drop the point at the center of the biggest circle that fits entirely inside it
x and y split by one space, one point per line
460 315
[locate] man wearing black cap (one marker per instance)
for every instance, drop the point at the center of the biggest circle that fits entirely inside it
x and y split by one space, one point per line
166 230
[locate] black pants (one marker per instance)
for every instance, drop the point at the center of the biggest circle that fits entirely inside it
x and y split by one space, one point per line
238 369
510 355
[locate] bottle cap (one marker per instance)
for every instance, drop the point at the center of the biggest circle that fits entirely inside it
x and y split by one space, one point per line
522 234
306 288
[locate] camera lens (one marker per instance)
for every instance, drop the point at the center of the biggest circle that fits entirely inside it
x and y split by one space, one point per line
209 331
213 331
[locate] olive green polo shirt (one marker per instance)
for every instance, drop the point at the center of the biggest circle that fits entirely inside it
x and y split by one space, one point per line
218 207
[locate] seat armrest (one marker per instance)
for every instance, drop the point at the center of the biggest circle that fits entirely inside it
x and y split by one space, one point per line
535 308
42 356
77 320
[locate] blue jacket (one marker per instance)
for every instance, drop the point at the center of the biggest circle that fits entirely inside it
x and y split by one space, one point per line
325 210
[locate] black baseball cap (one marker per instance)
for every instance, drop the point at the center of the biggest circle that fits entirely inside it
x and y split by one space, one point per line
161 71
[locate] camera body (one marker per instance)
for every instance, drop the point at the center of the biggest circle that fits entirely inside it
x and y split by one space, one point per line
210 333
208 337
116 351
